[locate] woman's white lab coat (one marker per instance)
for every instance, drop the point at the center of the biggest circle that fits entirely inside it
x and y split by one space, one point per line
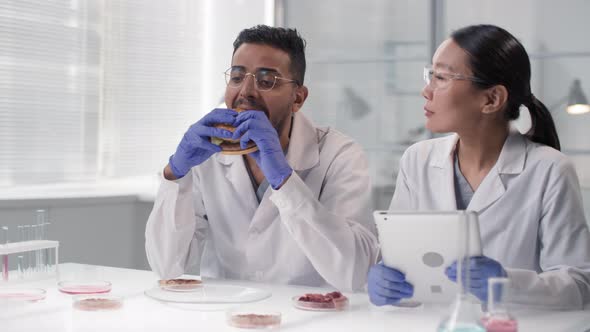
531 215
315 230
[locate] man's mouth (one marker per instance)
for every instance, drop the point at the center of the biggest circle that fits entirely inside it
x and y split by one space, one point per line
253 107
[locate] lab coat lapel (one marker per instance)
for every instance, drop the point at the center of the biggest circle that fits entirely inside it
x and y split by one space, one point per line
441 166
304 150
511 161
237 176
265 214
302 155
489 191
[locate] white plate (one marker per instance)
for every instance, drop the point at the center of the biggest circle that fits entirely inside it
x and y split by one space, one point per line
211 294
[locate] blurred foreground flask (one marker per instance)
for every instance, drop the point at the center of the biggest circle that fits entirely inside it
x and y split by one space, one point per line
498 318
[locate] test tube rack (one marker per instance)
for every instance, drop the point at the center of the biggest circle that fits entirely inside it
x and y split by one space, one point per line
27 246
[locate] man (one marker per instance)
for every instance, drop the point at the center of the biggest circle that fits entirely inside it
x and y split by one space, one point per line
296 211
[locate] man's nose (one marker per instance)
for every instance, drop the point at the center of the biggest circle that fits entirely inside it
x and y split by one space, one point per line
248 87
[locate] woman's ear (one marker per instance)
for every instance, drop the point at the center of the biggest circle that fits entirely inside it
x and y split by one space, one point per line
496 99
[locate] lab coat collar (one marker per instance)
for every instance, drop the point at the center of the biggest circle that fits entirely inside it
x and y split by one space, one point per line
513 155
443 151
511 159
303 153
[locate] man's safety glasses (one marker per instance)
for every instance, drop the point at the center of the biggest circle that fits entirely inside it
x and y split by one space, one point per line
264 80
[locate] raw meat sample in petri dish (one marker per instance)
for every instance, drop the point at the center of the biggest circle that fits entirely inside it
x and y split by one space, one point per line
500 325
97 302
22 294
333 301
180 285
84 287
255 319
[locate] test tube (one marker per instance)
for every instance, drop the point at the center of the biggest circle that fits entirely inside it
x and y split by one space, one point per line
34 236
23 263
48 264
42 217
21 259
29 255
3 235
4 258
21 267
49 253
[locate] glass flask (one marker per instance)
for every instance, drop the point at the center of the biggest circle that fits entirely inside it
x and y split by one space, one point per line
498 318
463 315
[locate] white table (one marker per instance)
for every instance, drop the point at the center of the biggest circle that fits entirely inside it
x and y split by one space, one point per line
141 313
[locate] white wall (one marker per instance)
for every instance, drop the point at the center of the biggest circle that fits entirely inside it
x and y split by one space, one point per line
223 21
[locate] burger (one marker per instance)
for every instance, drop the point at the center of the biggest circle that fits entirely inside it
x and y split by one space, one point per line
232 146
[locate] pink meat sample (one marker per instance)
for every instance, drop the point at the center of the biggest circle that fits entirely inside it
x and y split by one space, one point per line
333 300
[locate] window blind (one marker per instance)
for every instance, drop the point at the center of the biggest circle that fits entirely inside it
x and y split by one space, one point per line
49 90
151 82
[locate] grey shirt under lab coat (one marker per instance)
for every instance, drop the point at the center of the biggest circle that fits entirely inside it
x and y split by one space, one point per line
315 230
530 209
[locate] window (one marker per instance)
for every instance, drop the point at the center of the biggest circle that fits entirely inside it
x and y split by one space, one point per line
49 91
152 58
92 89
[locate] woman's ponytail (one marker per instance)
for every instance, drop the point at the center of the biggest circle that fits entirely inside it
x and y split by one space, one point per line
497 58
543 128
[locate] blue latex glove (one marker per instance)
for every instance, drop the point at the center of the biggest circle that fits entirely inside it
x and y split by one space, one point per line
481 268
195 146
387 285
255 126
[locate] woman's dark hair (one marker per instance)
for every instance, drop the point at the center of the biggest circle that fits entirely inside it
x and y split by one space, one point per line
284 39
498 58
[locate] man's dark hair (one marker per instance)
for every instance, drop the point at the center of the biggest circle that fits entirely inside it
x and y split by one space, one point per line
287 40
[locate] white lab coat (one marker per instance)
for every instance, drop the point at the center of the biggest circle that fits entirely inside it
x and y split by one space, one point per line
531 215
315 230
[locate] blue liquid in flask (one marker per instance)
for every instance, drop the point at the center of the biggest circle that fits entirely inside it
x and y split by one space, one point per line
463 328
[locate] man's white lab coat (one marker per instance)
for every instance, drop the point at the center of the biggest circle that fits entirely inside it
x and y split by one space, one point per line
315 230
530 209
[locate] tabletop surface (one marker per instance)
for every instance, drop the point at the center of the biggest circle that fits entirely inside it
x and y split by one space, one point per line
142 313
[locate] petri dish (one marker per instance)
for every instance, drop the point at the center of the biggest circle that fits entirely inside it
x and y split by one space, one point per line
333 301
84 287
253 319
22 294
180 285
97 302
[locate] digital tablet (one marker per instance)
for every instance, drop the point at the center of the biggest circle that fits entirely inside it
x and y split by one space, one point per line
423 244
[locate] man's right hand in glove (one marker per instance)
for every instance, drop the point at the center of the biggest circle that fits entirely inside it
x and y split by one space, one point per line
195 146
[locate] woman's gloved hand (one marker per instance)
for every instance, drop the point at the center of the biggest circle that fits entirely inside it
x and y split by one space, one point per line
481 268
387 285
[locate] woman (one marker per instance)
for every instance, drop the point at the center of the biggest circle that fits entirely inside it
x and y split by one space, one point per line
524 190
